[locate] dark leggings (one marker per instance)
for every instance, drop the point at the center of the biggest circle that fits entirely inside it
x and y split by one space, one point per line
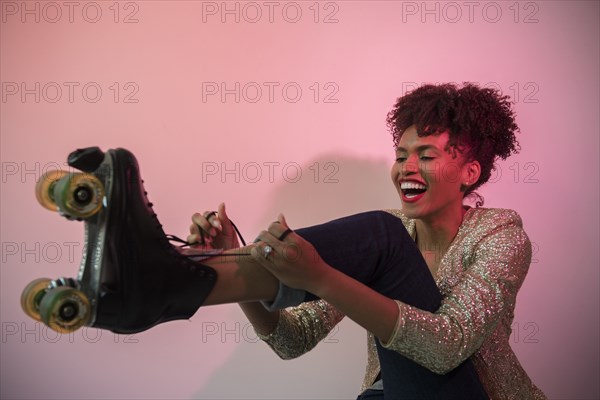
375 249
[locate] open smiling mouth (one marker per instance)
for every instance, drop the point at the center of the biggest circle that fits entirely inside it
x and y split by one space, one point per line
412 191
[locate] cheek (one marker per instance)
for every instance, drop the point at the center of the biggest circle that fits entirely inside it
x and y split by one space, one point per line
395 175
452 174
432 172
443 177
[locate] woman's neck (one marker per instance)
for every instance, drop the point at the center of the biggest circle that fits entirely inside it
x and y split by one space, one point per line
436 233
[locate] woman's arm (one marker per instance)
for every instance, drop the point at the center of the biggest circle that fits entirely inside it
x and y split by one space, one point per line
290 333
297 264
371 310
300 329
263 321
439 341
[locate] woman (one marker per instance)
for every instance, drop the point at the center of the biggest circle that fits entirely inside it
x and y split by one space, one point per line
437 295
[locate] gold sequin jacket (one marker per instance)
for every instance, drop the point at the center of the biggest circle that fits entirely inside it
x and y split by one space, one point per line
479 277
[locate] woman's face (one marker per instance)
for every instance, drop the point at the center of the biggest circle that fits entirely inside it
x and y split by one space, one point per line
427 177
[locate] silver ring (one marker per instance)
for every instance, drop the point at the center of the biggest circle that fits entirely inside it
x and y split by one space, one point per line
267 250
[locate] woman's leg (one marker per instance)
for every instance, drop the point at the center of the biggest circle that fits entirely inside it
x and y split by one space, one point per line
375 249
240 279
369 247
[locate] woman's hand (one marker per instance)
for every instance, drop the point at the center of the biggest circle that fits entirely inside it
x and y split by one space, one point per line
296 263
217 230
292 259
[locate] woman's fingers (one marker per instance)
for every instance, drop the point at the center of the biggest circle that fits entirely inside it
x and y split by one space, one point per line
280 229
281 246
214 226
207 225
262 250
223 217
282 221
267 238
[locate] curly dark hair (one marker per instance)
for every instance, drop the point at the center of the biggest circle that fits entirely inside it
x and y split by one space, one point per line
480 123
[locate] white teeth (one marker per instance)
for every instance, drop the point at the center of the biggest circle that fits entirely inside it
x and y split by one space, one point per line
412 185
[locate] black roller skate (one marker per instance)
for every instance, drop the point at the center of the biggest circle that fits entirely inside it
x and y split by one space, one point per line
131 277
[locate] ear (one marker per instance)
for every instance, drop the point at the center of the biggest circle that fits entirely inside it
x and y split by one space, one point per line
470 173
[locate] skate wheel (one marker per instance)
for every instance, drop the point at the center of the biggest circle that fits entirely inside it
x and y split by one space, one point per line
32 295
79 195
65 309
44 189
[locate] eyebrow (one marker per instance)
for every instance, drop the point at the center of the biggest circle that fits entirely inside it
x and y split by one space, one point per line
420 148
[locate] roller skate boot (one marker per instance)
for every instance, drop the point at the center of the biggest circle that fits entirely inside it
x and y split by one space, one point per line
130 277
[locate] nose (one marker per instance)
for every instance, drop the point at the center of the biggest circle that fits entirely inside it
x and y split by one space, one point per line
409 167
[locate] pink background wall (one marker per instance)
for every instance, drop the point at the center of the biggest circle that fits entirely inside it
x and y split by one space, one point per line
144 83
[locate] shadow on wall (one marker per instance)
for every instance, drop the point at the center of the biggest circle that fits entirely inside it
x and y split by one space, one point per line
331 186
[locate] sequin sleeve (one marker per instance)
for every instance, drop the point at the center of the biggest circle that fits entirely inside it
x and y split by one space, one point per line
301 328
473 307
